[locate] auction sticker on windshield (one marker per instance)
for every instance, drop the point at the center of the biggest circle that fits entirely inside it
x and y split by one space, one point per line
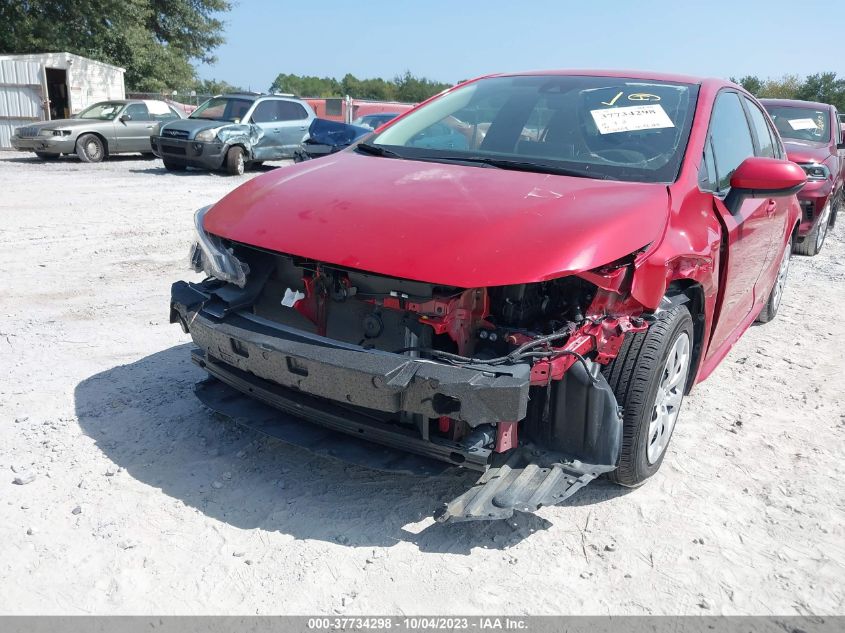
803 124
631 119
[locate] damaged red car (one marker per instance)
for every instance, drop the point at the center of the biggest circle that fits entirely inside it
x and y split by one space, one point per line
530 297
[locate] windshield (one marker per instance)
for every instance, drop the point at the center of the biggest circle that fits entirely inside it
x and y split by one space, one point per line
803 124
223 109
600 127
105 111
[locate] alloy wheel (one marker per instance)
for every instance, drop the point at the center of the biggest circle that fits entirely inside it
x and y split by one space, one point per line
824 221
780 282
670 394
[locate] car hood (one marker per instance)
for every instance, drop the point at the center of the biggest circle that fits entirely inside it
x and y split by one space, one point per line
65 124
192 126
445 224
807 151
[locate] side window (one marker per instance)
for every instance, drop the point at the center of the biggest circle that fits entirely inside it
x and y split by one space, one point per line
730 136
138 112
765 142
264 112
290 111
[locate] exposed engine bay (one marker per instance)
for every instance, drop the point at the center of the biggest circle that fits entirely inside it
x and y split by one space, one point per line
503 379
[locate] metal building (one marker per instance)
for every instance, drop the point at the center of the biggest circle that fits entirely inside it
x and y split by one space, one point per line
44 86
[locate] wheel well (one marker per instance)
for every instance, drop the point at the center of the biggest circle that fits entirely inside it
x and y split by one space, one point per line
691 294
247 153
99 136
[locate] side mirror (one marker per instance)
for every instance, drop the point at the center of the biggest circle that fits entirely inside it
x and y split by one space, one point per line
125 117
758 177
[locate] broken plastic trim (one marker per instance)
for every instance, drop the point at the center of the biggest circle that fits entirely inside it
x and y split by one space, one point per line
210 256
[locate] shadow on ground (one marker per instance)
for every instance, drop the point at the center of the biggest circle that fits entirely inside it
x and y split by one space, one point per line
32 159
145 417
158 168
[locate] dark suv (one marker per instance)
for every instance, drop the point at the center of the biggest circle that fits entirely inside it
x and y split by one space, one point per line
813 139
232 131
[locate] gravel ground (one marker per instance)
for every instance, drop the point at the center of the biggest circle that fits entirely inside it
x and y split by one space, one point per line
140 501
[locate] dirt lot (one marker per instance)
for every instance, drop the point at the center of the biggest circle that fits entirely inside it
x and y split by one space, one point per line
144 502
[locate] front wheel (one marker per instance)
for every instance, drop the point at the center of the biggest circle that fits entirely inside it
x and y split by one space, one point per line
770 310
90 148
170 166
235 161
649 378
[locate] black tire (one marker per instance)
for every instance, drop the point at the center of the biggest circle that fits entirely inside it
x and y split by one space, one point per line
814 240
235 161
46 155
770 310
171 166
635 376
90 148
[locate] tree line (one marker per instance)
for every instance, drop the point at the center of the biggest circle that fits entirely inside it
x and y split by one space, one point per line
405 87
821 87
156 41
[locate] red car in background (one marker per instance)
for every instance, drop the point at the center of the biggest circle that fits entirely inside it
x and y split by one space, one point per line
532 303
813 138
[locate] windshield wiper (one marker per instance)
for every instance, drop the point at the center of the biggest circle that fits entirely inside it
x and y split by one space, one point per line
521 165
377 150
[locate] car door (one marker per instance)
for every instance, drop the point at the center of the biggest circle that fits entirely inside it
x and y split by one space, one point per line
766 144
133 128
294 120
265 116
749 231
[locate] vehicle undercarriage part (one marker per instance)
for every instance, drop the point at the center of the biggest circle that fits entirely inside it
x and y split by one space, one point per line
504 380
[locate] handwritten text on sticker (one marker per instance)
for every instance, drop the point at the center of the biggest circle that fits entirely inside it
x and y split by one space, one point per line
631 119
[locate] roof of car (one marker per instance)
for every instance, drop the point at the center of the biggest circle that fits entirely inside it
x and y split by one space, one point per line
798 103
627 74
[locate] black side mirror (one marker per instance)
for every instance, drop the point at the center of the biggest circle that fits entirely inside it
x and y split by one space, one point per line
125 117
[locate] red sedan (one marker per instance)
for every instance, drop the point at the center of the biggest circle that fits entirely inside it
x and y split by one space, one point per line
813 139
531 298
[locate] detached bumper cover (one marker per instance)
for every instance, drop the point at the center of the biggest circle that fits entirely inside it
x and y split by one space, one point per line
350 374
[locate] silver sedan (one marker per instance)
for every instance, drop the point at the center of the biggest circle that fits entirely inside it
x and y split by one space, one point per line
109 127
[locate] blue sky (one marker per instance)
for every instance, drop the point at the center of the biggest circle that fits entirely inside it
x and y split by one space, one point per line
449 41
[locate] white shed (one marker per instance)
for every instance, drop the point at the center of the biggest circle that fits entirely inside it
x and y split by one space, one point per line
43 86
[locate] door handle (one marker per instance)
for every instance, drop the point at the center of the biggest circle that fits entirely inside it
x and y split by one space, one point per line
770 207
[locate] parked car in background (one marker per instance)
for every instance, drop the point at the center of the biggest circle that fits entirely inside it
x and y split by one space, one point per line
373 121
813 138
117 126
234 131
328 137
532 309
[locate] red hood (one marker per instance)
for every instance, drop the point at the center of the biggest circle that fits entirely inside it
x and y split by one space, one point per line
445 224
806 151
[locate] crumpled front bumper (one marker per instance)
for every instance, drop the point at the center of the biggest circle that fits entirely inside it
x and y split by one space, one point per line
341 387
187 152
350 374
